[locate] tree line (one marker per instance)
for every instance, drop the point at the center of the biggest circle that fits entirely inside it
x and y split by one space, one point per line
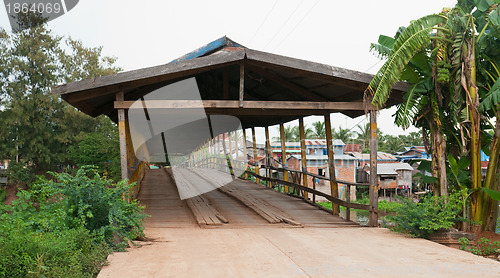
387 143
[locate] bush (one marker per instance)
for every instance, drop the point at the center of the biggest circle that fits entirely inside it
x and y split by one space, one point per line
20 173
423 218
93 202
68 253
484 246
3 194
66 227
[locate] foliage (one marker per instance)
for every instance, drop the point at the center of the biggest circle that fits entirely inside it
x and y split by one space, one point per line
65 227
66 253
430 214
99 148
382 205
392 144
319 130
3 194
38 127
343 134
94 202
484 246
389 207
19 172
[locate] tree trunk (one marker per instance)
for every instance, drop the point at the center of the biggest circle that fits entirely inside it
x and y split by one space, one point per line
477 201
490 207
438 163
441 152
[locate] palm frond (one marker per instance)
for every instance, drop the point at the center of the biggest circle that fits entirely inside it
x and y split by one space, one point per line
492 99
379 50
407 110
412 40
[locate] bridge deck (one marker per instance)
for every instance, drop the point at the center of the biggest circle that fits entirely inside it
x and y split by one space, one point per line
161 198
248 246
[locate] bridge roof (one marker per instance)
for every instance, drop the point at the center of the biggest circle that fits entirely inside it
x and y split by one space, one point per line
269 80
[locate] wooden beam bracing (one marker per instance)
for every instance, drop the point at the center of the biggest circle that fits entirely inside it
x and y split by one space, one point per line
297 89
331 163
283 154
242 84
268 155
255 155
303 155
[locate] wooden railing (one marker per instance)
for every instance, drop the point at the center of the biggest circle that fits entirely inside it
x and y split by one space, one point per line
220 163
137 176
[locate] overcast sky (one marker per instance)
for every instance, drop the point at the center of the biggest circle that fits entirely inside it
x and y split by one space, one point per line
148 33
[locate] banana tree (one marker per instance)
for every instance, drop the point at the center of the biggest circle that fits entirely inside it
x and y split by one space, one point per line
408 60
461 44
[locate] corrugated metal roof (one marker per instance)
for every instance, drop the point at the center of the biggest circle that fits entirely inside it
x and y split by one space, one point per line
391 168
309 142
325 157
380 156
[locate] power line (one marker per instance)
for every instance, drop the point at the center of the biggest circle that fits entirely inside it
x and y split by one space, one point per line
265 19
373 66
296 25
284 23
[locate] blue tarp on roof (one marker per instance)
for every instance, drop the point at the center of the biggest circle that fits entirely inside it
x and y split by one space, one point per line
208 49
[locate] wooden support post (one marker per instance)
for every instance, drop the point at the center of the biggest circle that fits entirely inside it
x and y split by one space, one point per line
257 180
303 155
237 163
120 96
283 155
373 192
314 187
348 199
230 152
245 157
217 153
242 83
268 156
334 188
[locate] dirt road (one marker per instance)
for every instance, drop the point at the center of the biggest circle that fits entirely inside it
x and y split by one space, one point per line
293 252
248 246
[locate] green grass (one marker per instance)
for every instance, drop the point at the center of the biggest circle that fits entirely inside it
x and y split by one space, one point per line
383 205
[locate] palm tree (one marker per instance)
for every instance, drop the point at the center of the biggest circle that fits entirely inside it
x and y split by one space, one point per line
319 130
289 132
364 135
342 134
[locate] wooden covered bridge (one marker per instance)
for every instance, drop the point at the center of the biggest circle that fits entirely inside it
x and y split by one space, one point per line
191 109
257 89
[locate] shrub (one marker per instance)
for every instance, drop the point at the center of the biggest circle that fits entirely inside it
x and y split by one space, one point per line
20 173
3 194
95 203
484 246
68 253
64 227
423 218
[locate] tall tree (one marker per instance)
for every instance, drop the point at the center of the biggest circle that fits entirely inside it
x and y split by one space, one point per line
319 130
37 127
342 134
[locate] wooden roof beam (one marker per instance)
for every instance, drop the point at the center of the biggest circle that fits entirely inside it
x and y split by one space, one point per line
271 75
234 104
